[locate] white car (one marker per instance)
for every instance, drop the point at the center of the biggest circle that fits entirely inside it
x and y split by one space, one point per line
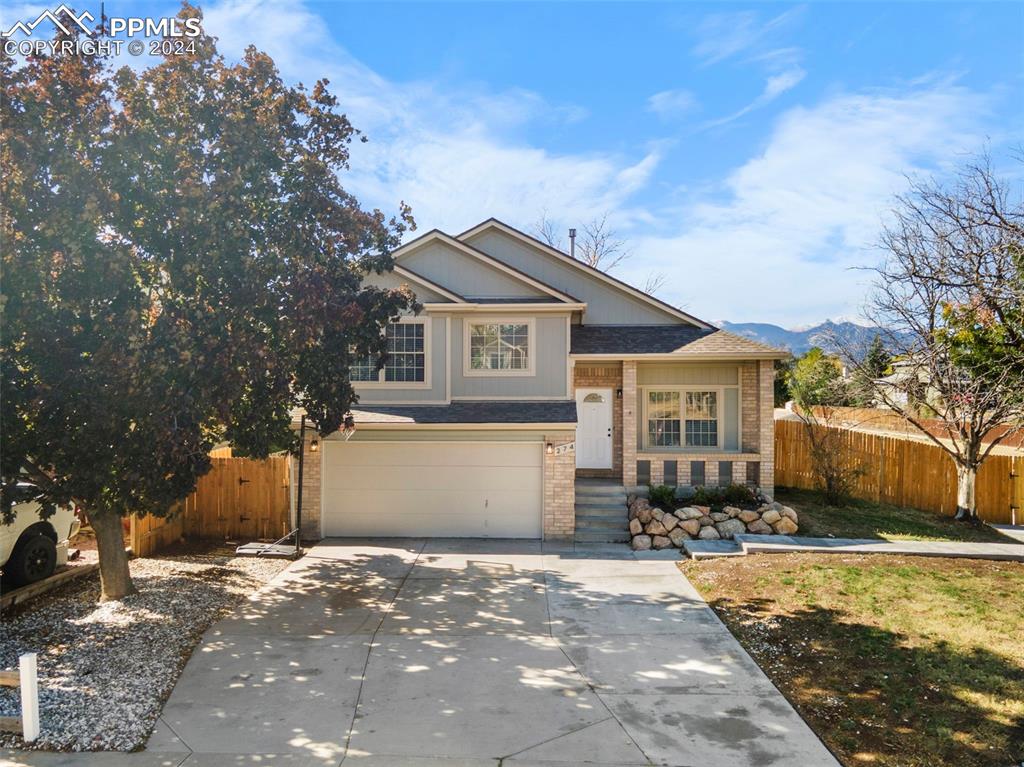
32 547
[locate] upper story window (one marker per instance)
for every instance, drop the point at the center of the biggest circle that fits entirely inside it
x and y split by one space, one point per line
496 347
406 361
682 418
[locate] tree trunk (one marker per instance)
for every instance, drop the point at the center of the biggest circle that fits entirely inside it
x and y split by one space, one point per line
115 579
966 479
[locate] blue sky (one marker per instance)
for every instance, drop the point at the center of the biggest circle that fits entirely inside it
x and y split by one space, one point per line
747 152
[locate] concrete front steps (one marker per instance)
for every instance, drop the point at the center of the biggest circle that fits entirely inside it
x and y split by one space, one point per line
600 512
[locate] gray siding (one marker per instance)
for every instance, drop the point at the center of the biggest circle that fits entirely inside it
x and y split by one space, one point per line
551 361
466 275
436 393
392 280
606 304
687 373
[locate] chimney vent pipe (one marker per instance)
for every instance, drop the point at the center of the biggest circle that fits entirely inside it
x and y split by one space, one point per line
572 243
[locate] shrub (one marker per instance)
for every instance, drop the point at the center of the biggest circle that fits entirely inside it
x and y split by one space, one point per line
663 496
739 495
708 496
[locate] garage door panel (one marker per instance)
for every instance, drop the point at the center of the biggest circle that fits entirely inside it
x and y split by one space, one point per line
426 478
432 489
440 454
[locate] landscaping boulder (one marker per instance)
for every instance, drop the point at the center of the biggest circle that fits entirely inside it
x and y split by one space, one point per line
703 509
670 522
641 542
730 527
654 527
719 516
706 522
636 506
688 512
708 534
644 515
658 514
785 526
789 513
661 542
677 537
748 516
771 516
691 526
732 511
759 527
635 528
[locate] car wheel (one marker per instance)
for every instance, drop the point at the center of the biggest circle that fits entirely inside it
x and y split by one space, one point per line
33 559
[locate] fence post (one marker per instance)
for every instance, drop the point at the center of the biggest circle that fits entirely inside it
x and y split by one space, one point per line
29 697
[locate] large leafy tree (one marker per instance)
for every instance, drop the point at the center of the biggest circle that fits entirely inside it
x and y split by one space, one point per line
181 265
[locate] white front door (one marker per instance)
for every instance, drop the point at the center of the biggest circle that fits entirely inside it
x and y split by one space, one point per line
594 428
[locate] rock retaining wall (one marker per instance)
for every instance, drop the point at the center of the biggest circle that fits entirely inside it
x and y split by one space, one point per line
652 528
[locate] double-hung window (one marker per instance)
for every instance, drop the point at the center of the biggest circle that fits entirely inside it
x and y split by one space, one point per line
499 347
678 418
406 357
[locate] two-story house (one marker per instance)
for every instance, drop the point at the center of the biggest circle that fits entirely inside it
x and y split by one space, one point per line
526 370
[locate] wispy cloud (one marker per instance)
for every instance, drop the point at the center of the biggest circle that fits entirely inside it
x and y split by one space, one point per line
723 35
672 103
774 241
774 87
457 154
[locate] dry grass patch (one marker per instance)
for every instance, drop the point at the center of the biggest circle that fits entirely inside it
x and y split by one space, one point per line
892 660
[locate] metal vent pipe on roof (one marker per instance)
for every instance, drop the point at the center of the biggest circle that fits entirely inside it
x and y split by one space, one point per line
572 243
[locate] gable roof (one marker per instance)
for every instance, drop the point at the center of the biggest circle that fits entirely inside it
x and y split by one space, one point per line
439 236
406 272
493 223
666 340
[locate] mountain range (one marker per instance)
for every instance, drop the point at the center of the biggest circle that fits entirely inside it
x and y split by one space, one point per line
830 336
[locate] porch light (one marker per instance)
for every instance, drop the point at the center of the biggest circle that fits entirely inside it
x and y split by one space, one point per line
314 445
550 448
618 394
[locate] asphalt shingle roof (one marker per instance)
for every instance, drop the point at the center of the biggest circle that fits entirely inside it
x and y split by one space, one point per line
681 340
501 411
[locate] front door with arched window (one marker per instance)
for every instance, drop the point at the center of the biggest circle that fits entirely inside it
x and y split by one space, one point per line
594 428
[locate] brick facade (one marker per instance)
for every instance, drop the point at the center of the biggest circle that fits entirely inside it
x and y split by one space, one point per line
767 427
629 419
559 487
604 375
750 408
310 490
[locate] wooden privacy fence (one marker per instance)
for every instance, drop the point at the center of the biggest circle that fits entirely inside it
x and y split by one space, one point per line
904 472
238 499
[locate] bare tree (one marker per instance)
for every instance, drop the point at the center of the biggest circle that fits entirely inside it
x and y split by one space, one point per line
598 245
655 281
951 281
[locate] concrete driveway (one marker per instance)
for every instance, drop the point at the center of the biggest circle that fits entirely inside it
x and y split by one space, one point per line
468 652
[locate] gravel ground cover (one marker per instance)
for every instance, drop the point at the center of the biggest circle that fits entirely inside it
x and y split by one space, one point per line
106 669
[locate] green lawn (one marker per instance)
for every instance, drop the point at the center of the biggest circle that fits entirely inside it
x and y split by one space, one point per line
864 519
894 661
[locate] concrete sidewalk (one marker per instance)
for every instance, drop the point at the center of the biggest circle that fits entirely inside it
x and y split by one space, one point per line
742 545
471 653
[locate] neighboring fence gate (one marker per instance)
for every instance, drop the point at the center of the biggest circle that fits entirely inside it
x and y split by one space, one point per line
905 472
239 499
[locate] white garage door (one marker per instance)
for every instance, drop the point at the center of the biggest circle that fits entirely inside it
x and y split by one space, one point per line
446 489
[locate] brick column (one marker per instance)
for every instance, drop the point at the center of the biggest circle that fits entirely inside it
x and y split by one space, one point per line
767 427
311 489
749 407
629 419
657 472
711 473
559 487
